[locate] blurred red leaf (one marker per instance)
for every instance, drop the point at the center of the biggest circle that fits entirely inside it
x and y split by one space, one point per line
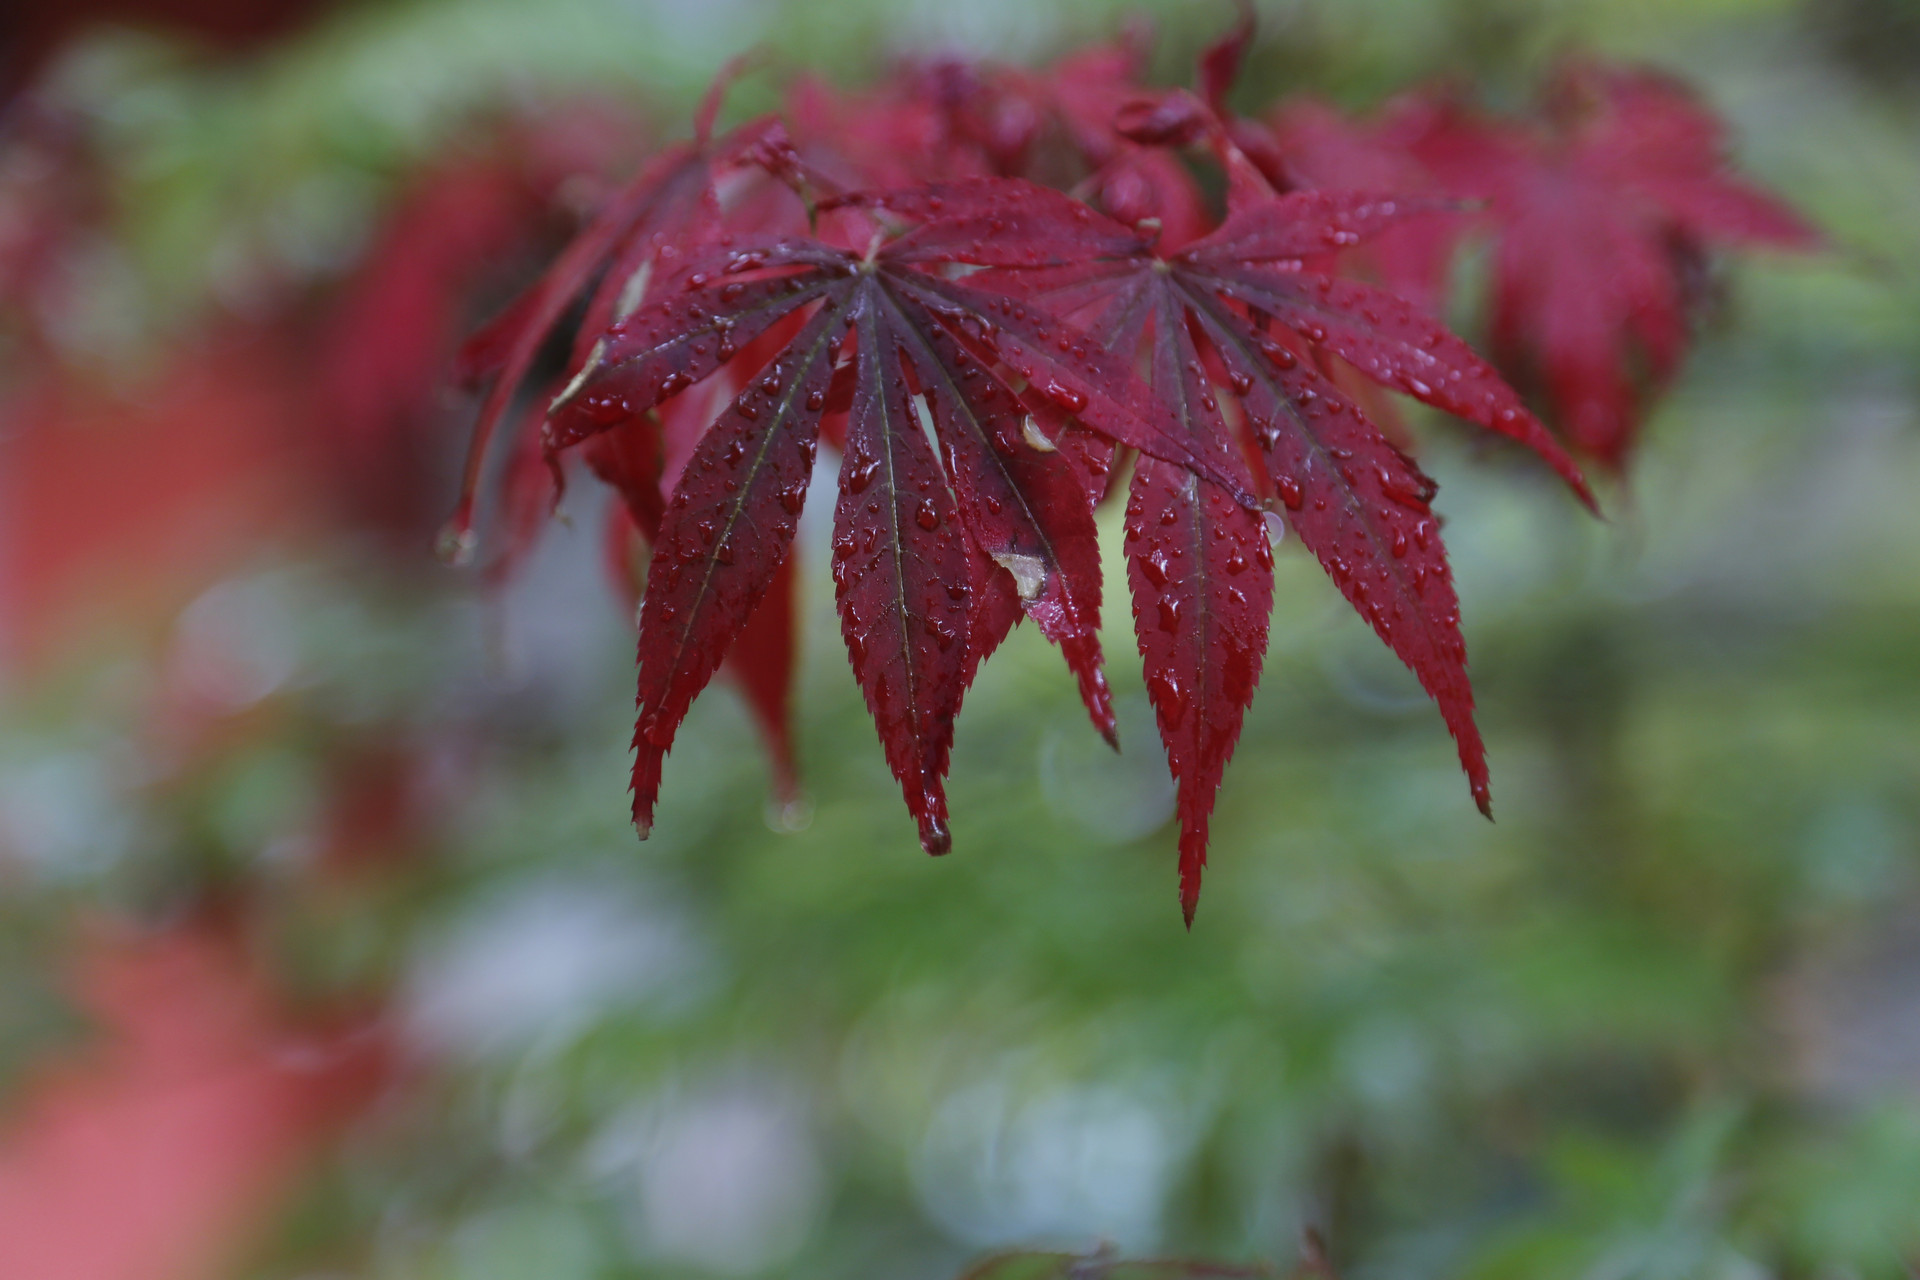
160 1150
119 506
1603 206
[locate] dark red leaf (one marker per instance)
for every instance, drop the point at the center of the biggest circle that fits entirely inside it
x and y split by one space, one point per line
1362 508
1360 505
1023 506
1397 346
1202 580
900 576
723 538
764 655
986 346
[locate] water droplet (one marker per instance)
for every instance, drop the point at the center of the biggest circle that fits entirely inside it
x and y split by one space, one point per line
1066 397
789 815
928 516
1290 492
1406 493
934 836
456 544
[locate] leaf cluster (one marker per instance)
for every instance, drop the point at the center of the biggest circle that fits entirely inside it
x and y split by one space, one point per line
1000 296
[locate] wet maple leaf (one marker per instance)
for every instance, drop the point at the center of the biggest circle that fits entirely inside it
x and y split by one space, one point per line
608 271
986 351
909 532
1239 317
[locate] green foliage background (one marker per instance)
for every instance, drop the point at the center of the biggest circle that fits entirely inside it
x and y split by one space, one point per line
1658 1021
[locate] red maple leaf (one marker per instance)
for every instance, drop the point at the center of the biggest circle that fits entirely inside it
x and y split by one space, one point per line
909 533
1241 317
984 350
883 315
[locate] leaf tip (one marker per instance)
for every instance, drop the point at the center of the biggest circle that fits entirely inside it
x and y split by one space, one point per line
1193 861
457 540
1584 492
934 836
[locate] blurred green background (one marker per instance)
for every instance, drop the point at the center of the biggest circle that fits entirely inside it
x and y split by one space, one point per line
1661 1020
